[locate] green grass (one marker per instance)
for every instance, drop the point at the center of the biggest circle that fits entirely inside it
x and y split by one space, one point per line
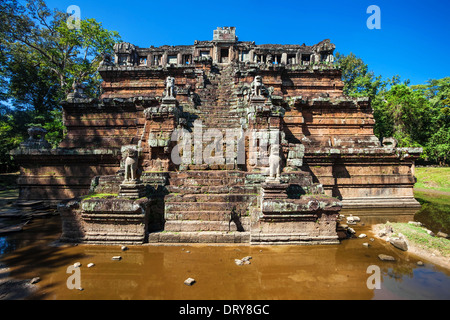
436 178
99 196
420 238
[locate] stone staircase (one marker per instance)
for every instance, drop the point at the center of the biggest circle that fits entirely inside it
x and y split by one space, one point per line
219 112
217 109
206 205
210 203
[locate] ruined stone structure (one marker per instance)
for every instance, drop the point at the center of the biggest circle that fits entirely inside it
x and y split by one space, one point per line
262 99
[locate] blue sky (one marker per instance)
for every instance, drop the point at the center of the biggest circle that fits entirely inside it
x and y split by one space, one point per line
413 40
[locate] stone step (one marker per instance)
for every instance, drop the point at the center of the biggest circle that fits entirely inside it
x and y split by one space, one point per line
223 117
207 167
206 182
196 226
223 112
222 125
250 189
171 207
210 197
217 110
199 237
202 216
290 239
205 174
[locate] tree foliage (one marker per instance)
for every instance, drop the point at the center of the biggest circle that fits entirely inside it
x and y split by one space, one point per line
40 60
417 116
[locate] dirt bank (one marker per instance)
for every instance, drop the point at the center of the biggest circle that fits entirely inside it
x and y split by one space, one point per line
420 243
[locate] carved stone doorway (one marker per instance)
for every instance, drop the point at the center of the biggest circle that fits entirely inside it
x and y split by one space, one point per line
224 55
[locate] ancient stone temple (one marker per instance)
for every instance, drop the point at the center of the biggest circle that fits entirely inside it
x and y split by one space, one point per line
219 141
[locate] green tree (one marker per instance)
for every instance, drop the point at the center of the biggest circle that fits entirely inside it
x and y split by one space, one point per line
73 55
410 115
40 59
438 147
437 92
414 115
358 80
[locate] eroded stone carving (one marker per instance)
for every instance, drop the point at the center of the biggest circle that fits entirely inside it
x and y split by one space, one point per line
389 142
257 86
78 91
170 87
36 139
274 162
132 186
131 165
125 54
225 34
106 60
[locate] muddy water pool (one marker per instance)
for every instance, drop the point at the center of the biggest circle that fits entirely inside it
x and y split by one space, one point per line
150 272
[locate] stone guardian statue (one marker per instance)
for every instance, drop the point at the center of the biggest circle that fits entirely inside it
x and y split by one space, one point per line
170 87
131 166
257 86
274 162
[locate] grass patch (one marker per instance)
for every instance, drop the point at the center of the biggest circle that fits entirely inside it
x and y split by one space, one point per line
418 236
99 196
436 178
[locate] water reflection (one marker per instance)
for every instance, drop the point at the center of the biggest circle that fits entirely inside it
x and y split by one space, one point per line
275 272
422 283
5 246
381 215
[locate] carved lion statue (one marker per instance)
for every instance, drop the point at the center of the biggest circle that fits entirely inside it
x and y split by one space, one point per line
37 133
274 162
131 165
257 86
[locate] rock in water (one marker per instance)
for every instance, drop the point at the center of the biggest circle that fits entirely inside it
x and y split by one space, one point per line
245 260
399 244
35 280
385 257
189 281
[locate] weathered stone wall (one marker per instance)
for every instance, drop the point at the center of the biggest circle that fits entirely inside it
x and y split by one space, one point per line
109 123
105 220
55 175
